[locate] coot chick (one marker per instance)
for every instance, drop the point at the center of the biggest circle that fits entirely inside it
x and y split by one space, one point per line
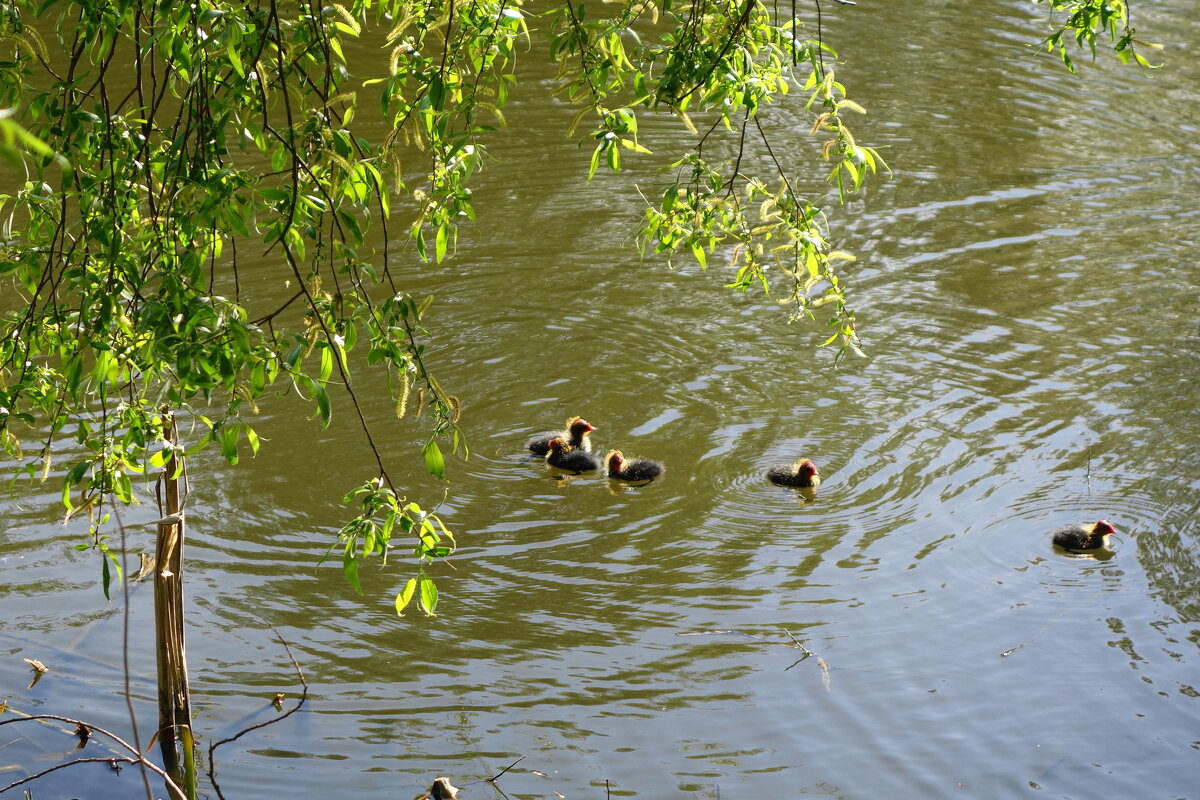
1084 537
802 474
563 456
632 469
576 435
441 790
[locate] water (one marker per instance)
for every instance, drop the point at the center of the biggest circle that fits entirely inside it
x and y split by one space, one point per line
1027 291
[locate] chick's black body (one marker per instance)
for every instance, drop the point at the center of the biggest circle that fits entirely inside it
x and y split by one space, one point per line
633 469
1084 537
563 456
802 474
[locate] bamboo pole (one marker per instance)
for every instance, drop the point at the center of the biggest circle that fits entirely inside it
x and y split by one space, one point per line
174 704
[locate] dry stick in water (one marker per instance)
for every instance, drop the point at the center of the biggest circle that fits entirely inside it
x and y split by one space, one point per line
820 661
212 762
807 652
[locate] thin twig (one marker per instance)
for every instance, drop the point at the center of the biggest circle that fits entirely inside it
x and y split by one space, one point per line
212 761
110 760
506 769
125 641
799 644
138 758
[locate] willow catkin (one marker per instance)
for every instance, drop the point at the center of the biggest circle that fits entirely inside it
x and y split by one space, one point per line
402 402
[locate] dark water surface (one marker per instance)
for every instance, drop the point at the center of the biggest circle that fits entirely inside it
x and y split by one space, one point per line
1028 294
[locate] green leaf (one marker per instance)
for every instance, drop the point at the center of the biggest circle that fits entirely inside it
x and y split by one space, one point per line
322 398
76 473
405 596
429 596
385 532
352 225
437 92
434 462
445 531
229 443
595 162
443 236
235 60
160 457
350 566
252 437
74 372
326 364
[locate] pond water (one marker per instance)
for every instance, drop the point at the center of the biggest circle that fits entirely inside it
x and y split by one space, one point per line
1027 292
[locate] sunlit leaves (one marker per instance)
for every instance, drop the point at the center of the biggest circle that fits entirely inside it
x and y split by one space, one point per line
1087 20
126 265
771 233
370 533
451 73
618 130
730 60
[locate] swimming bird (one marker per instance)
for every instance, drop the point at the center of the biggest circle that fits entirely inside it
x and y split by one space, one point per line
632 469
1084 537
563 456
576 434
802 474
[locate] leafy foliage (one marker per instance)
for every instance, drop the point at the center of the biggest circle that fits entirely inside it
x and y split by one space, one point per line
370 533
1088 19
727 63
128 265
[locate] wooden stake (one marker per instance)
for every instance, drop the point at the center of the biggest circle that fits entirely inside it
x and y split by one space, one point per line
174 704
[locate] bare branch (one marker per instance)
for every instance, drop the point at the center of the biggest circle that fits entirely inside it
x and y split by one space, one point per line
506 769
212 761
137 758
